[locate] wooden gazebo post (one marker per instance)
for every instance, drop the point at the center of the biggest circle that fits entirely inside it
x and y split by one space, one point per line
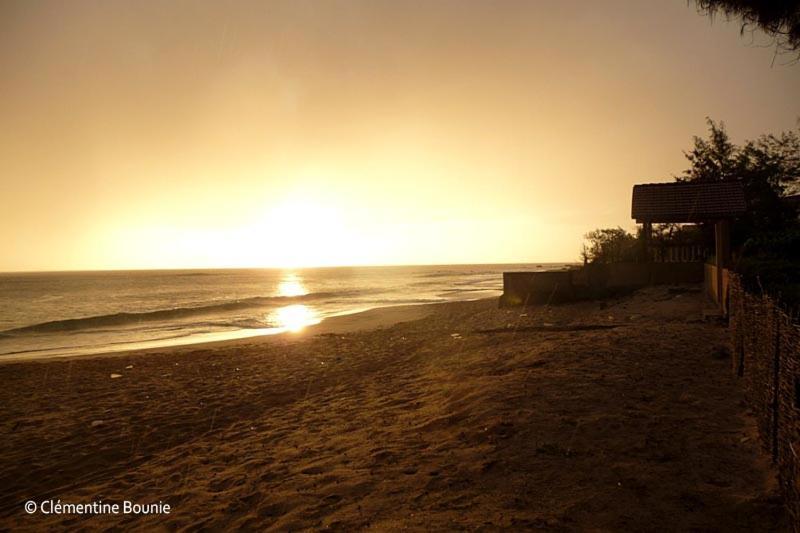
647 235
722 253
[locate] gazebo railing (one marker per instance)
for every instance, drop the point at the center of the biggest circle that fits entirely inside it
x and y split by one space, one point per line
688 253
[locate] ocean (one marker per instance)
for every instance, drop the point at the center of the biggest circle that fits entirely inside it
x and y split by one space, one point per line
72 313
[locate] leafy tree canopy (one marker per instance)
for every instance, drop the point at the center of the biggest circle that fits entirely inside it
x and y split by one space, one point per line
768 236
610 245
768 167
778 18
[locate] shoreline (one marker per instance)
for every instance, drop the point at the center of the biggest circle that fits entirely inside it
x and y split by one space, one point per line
363 320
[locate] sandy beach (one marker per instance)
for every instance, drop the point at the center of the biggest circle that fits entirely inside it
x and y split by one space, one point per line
613 415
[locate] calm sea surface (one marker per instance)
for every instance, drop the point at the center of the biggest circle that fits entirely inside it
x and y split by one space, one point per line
67 313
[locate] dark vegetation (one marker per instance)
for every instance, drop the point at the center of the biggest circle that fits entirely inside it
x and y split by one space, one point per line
766 241
770 263
779 19
610 245
616 245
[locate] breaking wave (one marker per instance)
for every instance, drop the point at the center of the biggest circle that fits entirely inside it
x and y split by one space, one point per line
130 318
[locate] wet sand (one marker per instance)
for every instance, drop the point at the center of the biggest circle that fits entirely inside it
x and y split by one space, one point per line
469 417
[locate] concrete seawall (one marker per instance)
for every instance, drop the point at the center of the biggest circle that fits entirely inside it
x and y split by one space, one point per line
592 281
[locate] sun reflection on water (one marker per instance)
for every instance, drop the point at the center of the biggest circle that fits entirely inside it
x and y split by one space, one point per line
291 285
295 317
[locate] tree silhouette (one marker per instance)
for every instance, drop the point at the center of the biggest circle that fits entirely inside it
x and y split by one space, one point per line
768 168
609 245
778 18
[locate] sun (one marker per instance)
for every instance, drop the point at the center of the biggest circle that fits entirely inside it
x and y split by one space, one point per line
303 232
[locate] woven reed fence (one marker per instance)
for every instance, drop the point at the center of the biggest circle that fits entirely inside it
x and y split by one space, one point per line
766 343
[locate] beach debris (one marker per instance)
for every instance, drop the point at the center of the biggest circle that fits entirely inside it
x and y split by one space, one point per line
456 335
115 376
97 423
128 367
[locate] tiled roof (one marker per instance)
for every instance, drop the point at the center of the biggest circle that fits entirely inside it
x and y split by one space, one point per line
687 201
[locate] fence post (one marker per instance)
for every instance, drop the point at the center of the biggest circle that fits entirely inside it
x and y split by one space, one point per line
776 382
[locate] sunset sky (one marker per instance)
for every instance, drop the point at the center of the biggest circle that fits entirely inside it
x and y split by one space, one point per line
168 134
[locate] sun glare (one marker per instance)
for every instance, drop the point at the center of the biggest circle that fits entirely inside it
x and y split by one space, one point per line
296 317
306 232
291 286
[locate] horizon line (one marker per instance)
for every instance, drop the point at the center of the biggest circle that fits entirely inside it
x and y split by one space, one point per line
386 265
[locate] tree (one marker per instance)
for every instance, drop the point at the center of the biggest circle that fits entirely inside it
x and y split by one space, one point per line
778 18
768 167
767 238
610 245
713 159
